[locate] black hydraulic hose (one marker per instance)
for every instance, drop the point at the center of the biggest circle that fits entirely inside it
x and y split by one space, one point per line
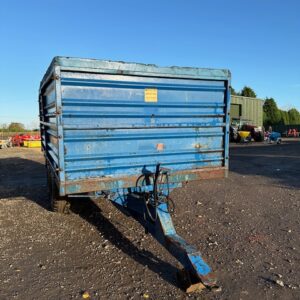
152 217
157 173
156 199
146 196
169 200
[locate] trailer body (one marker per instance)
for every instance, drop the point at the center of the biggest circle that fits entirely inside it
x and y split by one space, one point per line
133 132
103 122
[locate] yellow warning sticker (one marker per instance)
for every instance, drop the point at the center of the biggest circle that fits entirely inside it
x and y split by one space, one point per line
150 95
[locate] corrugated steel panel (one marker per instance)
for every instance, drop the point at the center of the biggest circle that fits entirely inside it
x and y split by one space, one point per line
252 109
106 121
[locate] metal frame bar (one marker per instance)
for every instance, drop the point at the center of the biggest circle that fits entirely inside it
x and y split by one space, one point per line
60 132
109 183
92 102
164 232
135 69
226 129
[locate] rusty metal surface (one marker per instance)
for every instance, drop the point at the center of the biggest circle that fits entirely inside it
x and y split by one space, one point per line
98 184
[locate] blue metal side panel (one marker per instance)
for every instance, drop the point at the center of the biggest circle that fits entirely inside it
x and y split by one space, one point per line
48 123
109 129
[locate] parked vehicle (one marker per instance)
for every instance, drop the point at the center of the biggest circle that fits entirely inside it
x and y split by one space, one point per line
257 133
273 137
243 132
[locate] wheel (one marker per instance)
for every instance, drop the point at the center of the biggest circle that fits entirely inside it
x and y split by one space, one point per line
58 203
61 206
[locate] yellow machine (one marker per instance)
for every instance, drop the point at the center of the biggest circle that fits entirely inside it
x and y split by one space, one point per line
32 144
244 134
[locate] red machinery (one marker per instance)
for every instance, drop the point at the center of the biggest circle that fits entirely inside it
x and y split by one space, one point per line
18 139
293 133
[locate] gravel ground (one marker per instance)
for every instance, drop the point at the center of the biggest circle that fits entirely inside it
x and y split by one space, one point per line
246 226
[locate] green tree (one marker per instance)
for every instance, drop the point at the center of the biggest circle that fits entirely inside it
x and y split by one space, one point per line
16 127
272 114
3 127
248 92
233 92
294 116
285 119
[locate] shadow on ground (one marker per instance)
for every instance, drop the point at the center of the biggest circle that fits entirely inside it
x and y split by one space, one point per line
21 177
279 162
27 178
88 210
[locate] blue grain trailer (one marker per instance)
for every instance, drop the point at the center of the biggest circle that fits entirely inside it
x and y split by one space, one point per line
133 132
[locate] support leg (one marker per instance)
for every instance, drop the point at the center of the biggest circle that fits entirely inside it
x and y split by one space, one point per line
187 254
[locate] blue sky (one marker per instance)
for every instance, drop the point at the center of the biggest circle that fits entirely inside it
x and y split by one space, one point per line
258 40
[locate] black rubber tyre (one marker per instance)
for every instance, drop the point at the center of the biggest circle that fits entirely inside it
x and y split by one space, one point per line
57 203
61 206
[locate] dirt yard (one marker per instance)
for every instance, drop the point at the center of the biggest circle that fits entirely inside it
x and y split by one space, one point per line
247 227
